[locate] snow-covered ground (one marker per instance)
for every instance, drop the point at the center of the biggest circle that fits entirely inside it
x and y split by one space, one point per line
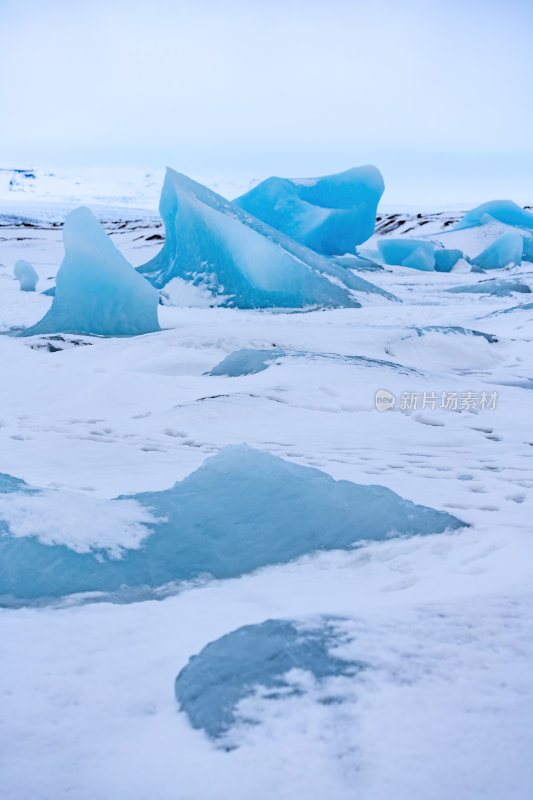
87 699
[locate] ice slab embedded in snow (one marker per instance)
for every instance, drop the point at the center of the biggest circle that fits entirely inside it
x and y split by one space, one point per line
97 291
257 659
26 275
496 287
331 214
249 362
241 510
241 260
506 249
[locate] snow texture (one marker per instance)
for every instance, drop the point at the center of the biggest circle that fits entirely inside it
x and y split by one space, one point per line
97 291
331 214
220 247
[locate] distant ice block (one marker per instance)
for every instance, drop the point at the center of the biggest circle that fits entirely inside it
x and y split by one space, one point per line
501 210
331 215
241 510
97 291
26 275
498 288
415 253
446 259
239 259
527 252
505 250
257 659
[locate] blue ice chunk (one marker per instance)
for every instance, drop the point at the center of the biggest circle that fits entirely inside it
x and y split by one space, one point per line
26 275
257 658
239 259
414 253
331 215
97 291
241 510
446 259
498 288
51 292
10 484
505 250
527 252
501 210
249 362
246 362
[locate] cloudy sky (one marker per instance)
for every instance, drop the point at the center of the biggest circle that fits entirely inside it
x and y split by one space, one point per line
438 94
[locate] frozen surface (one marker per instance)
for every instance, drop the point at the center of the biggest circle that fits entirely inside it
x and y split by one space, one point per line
240 260
414 253
499 287
331 214
97 291
504 251
443 622
240 511
26 275
267 658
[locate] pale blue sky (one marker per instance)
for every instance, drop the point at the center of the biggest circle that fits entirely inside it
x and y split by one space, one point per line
438 94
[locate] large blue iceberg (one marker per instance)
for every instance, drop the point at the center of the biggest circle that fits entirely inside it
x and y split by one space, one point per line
257 658
26 275
504 211
239 259
241 510
97 290
331 215
505 250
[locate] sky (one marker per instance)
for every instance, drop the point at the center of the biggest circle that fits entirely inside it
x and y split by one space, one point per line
438 94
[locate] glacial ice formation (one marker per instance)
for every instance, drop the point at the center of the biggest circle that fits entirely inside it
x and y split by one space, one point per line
415 253
501 210
26 275
239 259
446 259
97 291
257 660
331 214
505 250
241 510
